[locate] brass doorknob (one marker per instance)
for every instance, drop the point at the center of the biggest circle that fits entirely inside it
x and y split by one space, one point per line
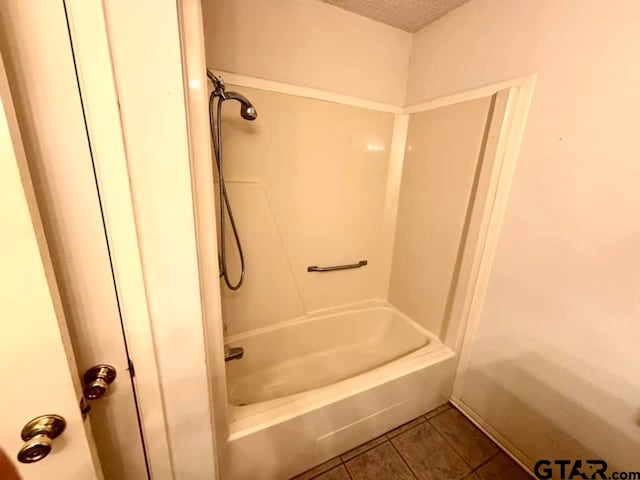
97 380
37 434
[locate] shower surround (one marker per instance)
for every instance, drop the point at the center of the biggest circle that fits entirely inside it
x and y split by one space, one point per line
341 356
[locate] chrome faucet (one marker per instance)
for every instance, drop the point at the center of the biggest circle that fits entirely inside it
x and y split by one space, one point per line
233 353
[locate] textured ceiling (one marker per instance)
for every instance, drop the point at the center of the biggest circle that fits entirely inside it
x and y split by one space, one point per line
409 15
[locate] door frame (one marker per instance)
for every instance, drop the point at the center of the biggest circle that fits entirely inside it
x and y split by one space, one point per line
161 413
97 89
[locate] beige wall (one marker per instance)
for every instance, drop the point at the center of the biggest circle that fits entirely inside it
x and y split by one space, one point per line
555 365
307 183
442 153
308 43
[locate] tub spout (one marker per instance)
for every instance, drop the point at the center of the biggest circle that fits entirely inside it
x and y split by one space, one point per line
233 353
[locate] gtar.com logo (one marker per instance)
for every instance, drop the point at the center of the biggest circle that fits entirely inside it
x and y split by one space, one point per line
579 469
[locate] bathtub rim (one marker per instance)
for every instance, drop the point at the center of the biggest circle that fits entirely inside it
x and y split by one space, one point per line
241 411
331 312
247 419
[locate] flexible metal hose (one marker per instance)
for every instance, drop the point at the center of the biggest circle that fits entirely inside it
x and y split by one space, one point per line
225 205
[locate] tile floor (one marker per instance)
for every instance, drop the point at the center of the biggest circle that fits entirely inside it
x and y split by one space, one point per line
440 445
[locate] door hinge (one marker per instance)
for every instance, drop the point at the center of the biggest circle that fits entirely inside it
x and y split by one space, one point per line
132 371
85 408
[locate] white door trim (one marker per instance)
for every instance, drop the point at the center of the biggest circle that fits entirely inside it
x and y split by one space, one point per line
98 92
196 99
470 299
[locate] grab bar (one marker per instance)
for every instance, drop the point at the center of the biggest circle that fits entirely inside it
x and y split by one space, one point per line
315 268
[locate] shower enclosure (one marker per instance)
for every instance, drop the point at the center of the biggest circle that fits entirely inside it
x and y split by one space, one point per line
364 229
338 348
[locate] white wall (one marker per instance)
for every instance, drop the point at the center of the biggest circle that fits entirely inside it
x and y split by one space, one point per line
308 43
555 365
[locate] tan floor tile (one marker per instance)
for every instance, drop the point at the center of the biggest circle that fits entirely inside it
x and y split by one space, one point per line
382 462
429 455
323 467
470 443
338 473
502 467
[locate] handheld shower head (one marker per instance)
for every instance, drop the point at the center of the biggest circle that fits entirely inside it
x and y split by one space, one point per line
247 110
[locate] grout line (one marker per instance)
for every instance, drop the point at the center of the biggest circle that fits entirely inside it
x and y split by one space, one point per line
495 436
389 440
408 430
486 461
364 451
341 464
322 472
428 419
457 452
403 459
347 469
436 416
453 447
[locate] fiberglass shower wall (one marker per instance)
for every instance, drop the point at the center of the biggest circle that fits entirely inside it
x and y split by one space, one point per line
307 179
307 183
310 180
441 163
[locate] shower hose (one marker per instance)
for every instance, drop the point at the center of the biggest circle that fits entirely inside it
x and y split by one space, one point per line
215 122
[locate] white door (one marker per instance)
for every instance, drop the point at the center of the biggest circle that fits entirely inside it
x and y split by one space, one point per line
38 55
36 365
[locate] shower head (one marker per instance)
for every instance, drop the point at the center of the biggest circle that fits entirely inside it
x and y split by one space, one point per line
247 110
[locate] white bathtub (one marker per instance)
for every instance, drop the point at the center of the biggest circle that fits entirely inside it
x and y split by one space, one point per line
309 389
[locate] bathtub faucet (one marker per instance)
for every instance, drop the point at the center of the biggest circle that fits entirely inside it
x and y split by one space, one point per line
233 353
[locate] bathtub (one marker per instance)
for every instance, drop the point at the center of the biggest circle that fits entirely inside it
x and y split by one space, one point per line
312 388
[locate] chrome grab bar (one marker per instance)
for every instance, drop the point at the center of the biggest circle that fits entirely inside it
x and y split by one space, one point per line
315 268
